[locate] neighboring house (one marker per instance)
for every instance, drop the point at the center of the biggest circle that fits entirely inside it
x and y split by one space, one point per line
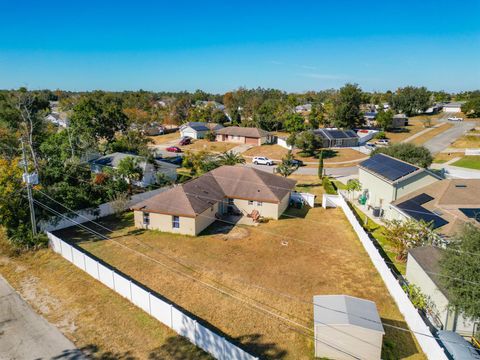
244 135
384 179
197 129
399 120
214 104
337 138
423 270
191 207
346 328
149 170
448 204
282 141
370 117
453 107
436 108
303 109
365 135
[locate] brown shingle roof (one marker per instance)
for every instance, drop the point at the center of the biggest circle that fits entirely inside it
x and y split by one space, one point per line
243 131
195 196
449 195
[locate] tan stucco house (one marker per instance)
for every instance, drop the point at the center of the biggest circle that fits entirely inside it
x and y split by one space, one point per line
244 135
384 179
423 270
191 207
447 204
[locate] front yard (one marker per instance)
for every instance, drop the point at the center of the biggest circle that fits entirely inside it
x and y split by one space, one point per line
277 266
209 146
469 162
467 141
276 152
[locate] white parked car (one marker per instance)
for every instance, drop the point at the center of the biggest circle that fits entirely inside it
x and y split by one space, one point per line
454 118
383 142
262 160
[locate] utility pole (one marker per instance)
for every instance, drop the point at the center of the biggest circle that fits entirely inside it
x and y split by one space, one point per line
28 181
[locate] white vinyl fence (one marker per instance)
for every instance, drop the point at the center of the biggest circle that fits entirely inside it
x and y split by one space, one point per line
82 216
429 345
166 313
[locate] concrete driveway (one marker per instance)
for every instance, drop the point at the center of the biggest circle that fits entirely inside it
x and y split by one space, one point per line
25 335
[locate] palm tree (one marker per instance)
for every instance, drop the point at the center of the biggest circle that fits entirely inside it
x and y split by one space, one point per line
230 158
129 169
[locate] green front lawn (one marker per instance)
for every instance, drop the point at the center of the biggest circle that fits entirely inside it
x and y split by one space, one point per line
470 162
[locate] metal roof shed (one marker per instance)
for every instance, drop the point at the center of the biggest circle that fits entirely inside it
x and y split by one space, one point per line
347 328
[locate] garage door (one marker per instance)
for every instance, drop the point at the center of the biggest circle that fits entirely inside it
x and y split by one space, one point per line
249 140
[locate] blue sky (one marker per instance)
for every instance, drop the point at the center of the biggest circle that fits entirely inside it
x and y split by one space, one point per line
221 45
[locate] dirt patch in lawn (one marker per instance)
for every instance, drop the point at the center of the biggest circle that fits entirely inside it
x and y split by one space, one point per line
277 266
100 322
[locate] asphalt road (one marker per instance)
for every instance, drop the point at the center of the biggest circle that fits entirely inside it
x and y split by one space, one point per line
335 172
25 335
443 140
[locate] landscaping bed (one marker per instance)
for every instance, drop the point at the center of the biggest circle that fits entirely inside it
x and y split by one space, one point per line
278 265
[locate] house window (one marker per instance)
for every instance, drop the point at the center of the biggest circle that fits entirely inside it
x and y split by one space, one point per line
175 222
230 201
259 203
146 218
250 202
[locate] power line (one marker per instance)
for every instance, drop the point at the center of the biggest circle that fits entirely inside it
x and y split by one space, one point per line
256 307
264 288
290 238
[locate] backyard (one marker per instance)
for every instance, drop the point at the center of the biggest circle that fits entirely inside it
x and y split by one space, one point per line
278 265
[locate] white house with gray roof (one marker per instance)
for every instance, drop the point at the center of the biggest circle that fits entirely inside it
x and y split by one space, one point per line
346 328
198 129
149 170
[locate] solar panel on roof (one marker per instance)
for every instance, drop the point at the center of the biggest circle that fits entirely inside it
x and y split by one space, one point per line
422 199
471 213
336 134
418 212
387 167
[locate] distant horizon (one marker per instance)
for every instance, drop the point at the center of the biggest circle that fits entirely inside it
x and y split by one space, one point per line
218 47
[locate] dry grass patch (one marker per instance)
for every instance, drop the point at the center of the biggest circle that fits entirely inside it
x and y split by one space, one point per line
420 140
315 252
100 322
415 126
162 139
210 146
467 141
276 152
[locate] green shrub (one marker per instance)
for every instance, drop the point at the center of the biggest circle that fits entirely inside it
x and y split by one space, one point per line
380 135
328 186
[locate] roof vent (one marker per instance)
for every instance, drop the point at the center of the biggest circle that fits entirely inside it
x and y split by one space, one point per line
437 212
460 186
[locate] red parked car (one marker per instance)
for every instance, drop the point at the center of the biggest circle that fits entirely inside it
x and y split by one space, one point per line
185 141
174 149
